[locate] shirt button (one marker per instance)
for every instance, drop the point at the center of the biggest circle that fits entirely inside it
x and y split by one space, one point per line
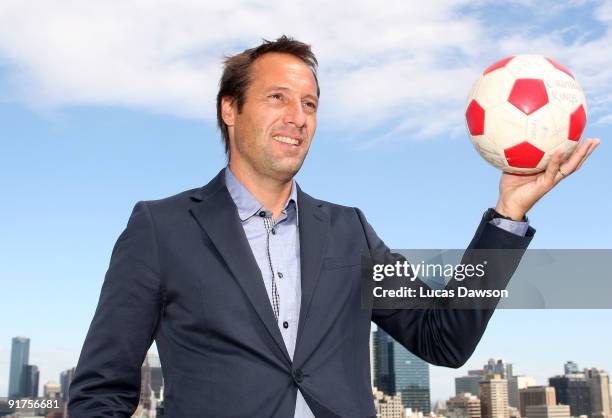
273 231
285 324
280 275
262 214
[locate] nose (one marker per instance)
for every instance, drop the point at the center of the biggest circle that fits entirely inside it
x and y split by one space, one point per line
294 114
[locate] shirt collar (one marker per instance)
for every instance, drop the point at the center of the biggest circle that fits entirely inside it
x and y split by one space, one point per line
247 204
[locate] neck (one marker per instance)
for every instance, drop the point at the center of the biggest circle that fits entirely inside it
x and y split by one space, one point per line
272 193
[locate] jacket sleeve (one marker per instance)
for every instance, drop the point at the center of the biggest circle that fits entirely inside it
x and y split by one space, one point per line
107 377
447 336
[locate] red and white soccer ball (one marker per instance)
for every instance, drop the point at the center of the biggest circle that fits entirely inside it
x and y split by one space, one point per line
522 109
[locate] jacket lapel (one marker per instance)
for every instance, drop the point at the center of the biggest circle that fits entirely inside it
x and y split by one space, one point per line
314 229
216 214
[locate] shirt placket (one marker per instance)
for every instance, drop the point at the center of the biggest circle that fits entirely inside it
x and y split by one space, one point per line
288 283
269 226
280 241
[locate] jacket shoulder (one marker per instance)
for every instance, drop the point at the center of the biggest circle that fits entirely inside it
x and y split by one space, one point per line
335 210
184 199
176 201
184 196
168 209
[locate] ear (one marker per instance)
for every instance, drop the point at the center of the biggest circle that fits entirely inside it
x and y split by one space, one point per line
228 110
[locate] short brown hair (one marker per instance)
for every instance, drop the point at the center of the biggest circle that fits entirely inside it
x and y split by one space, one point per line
237 71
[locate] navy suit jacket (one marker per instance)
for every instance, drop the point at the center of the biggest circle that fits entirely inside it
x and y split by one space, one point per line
182 274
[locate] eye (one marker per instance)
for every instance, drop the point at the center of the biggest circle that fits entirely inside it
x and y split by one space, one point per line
311 105
276 96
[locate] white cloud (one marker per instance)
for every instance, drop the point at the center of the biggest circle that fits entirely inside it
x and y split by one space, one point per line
403 65
604 12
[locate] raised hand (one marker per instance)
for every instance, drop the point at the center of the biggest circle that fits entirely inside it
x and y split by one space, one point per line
518 193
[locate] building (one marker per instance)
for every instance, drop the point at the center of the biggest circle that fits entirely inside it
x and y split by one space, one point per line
159 412
20 356
599 385
4 407
536 396
570 367
499 367
573 390
65 379
494 397
29 381
400 371
548 411
152 382
515 384
464 405
439 409
504 370
157 377
469 383
52 390
388 406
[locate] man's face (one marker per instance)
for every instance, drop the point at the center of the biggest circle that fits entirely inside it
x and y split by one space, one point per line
271 135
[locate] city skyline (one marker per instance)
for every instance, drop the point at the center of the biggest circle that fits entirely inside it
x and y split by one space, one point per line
152 360
393 370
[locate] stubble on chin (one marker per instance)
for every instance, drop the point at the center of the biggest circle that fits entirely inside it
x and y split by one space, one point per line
284 170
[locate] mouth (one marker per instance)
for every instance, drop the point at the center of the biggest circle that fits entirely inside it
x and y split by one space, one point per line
287 140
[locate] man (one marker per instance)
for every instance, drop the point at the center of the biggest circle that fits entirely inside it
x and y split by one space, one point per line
251 288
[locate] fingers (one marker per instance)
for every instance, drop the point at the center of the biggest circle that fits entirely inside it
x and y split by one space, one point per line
552 175
594 145
578 156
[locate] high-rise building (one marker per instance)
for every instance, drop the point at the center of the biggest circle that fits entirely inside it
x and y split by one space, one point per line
494 397
388 406
400 371
515 384
536 396
504 370
20 356
465 405
52 390
151 381
29 381
573 390
570 367
548 411
65 380
469 383
599 384
499 367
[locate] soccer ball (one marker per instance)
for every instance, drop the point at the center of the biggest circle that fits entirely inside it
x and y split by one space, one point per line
522 109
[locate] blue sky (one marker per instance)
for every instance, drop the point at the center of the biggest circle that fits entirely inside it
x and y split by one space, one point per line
105 106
